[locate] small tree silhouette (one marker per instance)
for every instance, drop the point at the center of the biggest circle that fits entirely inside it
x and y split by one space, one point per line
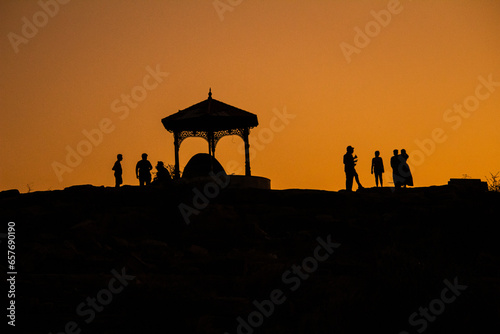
493 182
171 170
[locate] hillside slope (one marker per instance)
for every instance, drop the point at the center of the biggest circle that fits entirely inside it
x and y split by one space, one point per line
255 261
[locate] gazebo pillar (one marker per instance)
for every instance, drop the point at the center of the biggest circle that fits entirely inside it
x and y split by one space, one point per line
211 144
211 149
246 132
176 147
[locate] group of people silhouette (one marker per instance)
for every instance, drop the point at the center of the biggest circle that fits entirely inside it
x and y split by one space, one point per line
142 171
401 173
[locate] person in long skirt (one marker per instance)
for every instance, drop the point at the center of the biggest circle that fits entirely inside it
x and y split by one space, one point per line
405 169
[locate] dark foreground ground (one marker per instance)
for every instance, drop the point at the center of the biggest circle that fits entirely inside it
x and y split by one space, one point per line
235 259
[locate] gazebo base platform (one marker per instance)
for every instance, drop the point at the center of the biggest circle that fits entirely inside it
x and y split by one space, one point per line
242 181
235 182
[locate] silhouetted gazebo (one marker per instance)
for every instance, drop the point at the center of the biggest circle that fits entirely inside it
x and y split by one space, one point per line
210 119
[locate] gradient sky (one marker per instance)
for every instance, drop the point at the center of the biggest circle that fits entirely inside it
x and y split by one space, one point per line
269 57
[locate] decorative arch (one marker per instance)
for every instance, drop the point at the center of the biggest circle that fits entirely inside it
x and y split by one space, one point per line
212 139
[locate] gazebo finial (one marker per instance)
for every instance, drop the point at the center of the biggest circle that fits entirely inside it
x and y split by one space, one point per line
210 93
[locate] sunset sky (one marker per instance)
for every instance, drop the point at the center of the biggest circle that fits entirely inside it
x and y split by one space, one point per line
320 75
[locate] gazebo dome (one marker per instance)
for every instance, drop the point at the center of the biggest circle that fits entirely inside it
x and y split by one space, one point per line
210 115
210 119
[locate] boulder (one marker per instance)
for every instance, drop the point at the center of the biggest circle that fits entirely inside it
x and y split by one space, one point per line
200 165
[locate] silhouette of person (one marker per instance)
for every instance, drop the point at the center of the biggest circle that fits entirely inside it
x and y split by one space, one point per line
143 170
404 171
395 164
117 167
350 171
162 174
378 168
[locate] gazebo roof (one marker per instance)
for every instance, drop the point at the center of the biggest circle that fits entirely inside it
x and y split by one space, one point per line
210 115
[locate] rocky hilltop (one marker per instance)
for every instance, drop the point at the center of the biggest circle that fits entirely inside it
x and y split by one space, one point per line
181 260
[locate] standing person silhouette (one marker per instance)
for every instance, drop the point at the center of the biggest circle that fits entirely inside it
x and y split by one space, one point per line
378 168
407 178
396 164
117 167
350 171
143 170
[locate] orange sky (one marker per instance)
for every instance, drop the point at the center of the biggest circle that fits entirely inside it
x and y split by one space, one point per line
391 88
